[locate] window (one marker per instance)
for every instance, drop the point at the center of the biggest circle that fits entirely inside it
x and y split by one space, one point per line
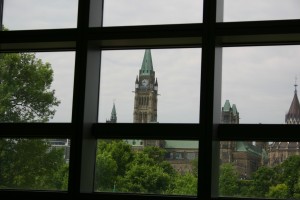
39 14
128 90
142 12
98 34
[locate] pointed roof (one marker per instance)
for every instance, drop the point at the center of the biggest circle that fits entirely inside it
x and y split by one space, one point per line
113 117
147 65
234 109
295 106
113 111
294 111
227 106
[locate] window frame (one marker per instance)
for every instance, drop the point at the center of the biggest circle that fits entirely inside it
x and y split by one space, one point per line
89 38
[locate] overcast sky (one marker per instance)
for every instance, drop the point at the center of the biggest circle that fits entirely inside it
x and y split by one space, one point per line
259 80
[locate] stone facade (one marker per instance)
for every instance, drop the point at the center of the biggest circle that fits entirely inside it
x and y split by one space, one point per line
146 87
247 157
280 151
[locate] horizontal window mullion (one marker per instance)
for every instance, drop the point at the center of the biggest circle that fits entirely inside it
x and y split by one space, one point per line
132 196
34 130
258 33
259 132
147 36
146 131
38 40
54 35
29 194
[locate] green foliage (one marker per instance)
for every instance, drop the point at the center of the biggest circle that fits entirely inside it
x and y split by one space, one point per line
155 153
26 96
25 89
120 151
263 179
121 169
29 164
297 189
288 172
228 180
281 181
61 177
185 184
279 191
244 186
145 178
106 171
195 167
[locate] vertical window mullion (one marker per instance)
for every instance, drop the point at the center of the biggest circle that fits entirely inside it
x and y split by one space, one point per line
85 100
210 101
1 13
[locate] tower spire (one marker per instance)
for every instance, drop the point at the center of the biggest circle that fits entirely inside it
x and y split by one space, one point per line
295 85
113 116
147 65
293 115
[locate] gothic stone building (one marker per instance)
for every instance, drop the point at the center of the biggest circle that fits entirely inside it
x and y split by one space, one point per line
279 151
179 153
246 156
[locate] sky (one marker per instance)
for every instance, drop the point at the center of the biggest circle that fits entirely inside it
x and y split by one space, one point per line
259 80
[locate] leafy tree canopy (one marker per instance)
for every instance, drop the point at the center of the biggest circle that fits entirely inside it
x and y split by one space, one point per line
28 164
228 180
25 90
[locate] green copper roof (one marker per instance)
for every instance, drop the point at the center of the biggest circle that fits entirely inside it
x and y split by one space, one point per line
234 110
245 147
147 65
181 144
227 106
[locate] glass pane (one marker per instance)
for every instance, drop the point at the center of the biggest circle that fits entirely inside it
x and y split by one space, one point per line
143 12
256 10
260 169
261 82
147 166
36 87
39 14
150 86
37 164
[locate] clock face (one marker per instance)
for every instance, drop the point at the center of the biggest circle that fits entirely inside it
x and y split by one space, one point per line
145 82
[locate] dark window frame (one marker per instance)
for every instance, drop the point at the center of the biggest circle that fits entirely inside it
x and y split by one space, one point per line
89 38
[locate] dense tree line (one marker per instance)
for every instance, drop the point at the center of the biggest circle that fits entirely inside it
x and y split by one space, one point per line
280 181
30 164
119 168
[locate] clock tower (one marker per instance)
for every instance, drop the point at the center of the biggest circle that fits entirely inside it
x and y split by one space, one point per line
146 87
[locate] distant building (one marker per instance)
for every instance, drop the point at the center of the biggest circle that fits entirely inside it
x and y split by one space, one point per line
61 144
280 151
113 116
179 153
230 114
146 88
246 156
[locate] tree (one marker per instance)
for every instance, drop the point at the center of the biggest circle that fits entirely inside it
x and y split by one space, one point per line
280 191
263 179
228 181
144 178
185 184
288 173
25 89
28 164
25 96
120 152
106 172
